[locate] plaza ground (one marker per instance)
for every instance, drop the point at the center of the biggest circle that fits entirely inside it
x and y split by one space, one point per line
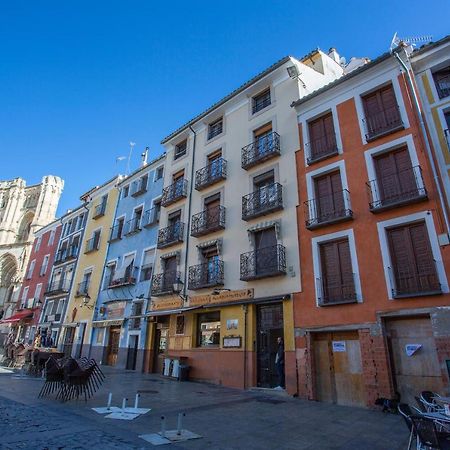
226 418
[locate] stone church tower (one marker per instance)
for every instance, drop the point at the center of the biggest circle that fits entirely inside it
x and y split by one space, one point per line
23 211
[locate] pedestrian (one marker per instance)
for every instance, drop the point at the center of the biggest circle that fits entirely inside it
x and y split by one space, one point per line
279 364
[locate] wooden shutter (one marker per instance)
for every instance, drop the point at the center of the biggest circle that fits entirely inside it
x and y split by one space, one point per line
322 137
265 238
329 196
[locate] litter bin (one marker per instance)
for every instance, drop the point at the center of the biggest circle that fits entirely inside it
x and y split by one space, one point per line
183 372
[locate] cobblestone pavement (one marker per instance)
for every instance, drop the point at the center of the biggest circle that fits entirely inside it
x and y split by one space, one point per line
226 418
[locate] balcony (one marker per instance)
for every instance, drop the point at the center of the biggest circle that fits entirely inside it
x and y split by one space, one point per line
116 232
262 149
92 245
415 282
82 289
66 254
173 234
328 209
133 226
264 200
263 263
212 173
334 292
383 122
208 221
139 187
128 279
174 192
99 210
162 283
151 217
395 190
321 148
206 275
58 287
443 86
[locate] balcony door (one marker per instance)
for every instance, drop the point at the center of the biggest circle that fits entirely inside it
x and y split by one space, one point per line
170 273
263 140
329 197
266 190
322 137
178 179
266 258
395 176
211 259
211 217
215 165
174 221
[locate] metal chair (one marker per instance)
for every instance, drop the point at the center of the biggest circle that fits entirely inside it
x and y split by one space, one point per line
427 434
406 412
420 405
427 398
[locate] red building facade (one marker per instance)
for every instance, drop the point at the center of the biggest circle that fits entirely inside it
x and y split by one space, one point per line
373 317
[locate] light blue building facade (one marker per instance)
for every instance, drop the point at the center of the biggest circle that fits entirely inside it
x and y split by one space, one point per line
119 327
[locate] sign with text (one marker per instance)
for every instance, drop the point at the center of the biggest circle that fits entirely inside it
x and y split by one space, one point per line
170 303
222 297
115 310
232 342
410 349
339 346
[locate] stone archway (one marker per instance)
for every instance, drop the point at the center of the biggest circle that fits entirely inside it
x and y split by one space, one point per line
23 233
8 275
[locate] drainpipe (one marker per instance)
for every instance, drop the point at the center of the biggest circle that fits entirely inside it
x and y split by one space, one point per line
245 308
425 138
188 223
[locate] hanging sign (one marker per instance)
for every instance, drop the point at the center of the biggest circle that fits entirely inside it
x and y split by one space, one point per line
339 346
410 349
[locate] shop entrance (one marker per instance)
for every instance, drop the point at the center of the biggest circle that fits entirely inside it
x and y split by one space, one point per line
338 368
419 371
161 344
269 329
69 336
113 346
133 342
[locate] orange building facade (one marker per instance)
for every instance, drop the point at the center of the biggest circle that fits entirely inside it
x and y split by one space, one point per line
373 318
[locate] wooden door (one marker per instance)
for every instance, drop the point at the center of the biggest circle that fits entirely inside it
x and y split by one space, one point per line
161 344
69 336
269 329
421 371
133 343
113 345
329 196
339 377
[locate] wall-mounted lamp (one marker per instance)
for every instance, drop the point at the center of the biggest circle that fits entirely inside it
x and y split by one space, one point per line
178 287
86 300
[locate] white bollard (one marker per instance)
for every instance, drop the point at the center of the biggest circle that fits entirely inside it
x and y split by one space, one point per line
108 406
180 423
163 426
136 401
124 405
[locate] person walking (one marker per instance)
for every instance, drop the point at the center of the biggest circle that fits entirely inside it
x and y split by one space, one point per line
279 363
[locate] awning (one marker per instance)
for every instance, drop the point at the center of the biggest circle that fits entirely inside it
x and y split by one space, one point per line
22 315
265 300
171 311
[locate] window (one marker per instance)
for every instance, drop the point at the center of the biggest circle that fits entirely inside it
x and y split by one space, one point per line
337 284
23 301
322 139
211 260
38 244
442 82
265 189
37 293
215 128
447 131
84 287
263 140
382 115
159 173
44 265
413 267
125 191
51 237
73 225
80 221
31 269
109 275
261 101
329 197
208 329
179 327
59 310
180 149
157 206
147 265
170 273
100 335
118 229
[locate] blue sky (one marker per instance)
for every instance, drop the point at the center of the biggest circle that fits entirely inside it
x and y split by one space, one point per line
79 79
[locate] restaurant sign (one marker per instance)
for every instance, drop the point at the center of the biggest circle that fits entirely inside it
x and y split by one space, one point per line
222 297
170 303
115 310
106 323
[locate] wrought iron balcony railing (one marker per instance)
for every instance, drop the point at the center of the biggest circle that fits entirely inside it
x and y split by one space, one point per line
82 289
162 283
383 122
92 244
210 174
328 209
390 191
116 232
174 192
264 262
206 275
208 221
151 217
99 210
333 292
66 254
262 149
264 200
170 235
133 226
135 323
443 86
58 286
414 282
129 278
321 148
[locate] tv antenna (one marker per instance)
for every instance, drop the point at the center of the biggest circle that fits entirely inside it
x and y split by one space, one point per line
132 144
411 40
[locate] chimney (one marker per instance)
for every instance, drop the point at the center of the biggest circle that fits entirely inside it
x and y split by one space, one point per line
333 54
144 157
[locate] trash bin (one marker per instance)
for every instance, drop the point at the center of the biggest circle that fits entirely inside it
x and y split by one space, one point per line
183 372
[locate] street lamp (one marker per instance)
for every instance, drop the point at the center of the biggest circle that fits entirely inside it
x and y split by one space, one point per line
178 287
86 300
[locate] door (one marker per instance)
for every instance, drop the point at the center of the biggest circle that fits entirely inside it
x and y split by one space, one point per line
338 369
170 273
329 197
133 343
161 344
269 329
113 346
266 190
420 371
266 255
81 333
69 336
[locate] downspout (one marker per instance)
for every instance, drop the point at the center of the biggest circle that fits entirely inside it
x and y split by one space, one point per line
188 222
426 140
245 307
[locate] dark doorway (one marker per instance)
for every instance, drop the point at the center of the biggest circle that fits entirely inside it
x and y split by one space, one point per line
133 343
113 346
269 329
69 336
161 344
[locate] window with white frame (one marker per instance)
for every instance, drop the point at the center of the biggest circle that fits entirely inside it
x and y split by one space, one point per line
261 101
215 128
23 301
51 237
44 265
38 244
37 293
147 264
31 269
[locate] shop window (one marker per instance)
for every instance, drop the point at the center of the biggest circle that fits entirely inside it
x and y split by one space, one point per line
208 329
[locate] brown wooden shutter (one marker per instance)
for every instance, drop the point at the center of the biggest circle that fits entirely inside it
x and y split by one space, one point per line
329 196
322 137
